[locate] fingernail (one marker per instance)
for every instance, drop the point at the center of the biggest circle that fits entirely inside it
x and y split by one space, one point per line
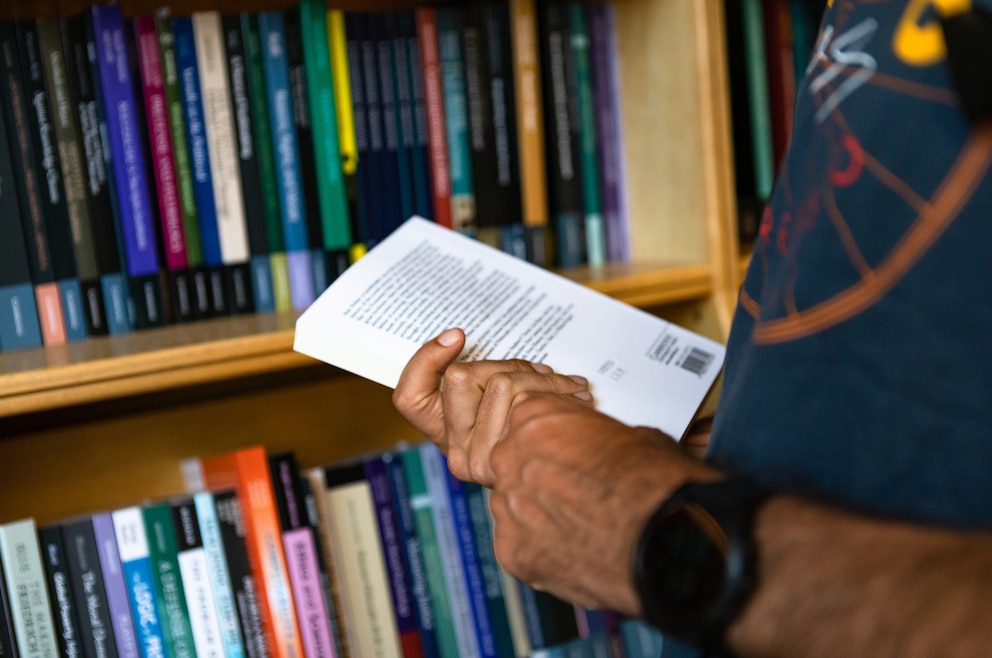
579 379
542 368
584 395
448 338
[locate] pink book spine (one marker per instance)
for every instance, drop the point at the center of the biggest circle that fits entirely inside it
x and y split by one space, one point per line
160 138
304 577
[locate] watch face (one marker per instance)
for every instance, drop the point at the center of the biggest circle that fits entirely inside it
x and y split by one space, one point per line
688 562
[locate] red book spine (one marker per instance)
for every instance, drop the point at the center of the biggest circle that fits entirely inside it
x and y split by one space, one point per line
437 142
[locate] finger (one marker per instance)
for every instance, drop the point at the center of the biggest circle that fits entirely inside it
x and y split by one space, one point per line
417 394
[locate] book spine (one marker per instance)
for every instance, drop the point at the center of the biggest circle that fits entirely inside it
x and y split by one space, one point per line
232 531
163 161
194 569
420 510
419 147
430 61
382 167
225 174
757 77
449 23
128 166
64 612
88 589
365 203
268 187
397 114
288 177
436 479
18 311
263 538
132 545
12 93
530 125
220 582
122 622
300 544
260 262
167 580
67 138
24 573
8 643
188 73
53 200
392 546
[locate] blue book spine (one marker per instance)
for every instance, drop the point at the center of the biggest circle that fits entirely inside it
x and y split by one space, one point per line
132 544
399 124
288 176
456 118
220 580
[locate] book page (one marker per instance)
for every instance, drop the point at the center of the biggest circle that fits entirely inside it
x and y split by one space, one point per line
425 278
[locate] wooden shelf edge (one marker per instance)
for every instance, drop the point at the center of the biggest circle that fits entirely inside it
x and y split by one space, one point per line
647 286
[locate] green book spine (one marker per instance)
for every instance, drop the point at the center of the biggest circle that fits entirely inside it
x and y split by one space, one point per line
420 503
167 580
757 78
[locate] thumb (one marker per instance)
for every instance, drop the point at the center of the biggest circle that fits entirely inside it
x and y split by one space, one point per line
417 391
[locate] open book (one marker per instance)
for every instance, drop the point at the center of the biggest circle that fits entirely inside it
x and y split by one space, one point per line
425 278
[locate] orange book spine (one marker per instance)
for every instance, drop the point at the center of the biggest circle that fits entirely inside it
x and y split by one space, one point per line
530 121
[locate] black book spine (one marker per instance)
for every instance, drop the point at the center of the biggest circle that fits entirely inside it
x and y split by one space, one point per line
8 646
423 198
60 589
86 578
365 211
395 66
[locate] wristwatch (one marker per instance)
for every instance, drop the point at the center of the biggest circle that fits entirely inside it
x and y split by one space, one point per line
695 562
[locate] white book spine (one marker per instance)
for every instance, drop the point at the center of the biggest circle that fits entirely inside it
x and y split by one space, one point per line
31 612
194 569
220 581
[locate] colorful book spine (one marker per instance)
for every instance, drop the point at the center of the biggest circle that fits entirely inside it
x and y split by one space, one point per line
119 607
423 204
163 160
220 581
167 580
194 570
132 546
288 177
12 95
757 77
24 575
397 114
381 172
88 589
128 166
437 141
268 187
260 263
64 611
300 544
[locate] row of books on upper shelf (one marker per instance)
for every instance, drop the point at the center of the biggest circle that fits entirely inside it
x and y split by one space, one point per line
165 168
382 555
769 44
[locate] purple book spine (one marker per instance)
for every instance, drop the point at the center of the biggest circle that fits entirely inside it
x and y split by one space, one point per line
125 141
113 582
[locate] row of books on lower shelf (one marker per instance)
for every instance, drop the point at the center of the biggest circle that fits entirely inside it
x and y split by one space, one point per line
382 555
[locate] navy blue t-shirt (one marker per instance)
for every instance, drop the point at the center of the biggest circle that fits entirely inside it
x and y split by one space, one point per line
859 366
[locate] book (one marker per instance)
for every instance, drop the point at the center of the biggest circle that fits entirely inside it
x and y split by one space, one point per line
24 575
64 611
132 546
780 63
65 123
225 174
18 309
756 63
437 140
194 569
167 580
88 590
28 186
128 166
410 75
8 644
642 369
53 198
121 621
396 83
365 205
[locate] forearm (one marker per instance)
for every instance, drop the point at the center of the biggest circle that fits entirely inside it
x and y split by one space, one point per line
835 584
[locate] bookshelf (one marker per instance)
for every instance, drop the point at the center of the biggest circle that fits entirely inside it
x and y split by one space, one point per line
103 422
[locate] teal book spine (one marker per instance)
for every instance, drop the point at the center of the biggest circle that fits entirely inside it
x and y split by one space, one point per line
757 78
167 581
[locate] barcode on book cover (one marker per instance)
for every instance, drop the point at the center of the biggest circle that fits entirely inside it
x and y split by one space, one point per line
697 361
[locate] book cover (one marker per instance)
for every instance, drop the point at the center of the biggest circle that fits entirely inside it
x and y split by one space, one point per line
53 199
265 153
225 174
121 621
203 298
18 310
24 575
180 281
249 167
359 562
232 531
373 319
29 191
437 140
564 179
65 123
288 175
88 590
300 543
194 570
132 546
220 581
411 74
530 128
393 550
128 166
64 611
167 580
